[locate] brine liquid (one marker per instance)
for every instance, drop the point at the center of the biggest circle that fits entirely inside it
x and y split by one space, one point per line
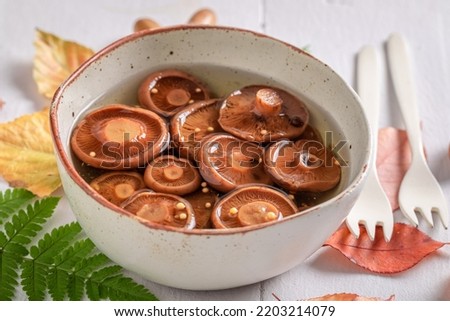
221 81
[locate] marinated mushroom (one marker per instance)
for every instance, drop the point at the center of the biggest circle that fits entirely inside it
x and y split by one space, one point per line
191 124
169 174
203 201
226 162
119 137
166 92
252 205
165 209
303 165
263 114
117 186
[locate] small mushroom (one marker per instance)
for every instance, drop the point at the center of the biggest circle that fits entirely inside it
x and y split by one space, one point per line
191 124
251 205
263 114
169 174
166 92
119 137
302 166
226 162
202 201
165 209
117 186
203 16
145 24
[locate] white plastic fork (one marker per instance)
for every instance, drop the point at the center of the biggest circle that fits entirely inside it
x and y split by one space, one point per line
372 207
420 192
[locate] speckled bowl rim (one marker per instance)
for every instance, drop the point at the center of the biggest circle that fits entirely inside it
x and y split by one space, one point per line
54 129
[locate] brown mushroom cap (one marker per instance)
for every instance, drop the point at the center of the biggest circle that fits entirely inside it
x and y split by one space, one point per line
250 205
117 186
226 162
165 209
202 201
169 174
302 166
166 92
263 114
191 124
119 137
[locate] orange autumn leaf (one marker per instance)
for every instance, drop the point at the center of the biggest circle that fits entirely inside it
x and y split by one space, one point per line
348 297
408 246
55 59
393 160
27 159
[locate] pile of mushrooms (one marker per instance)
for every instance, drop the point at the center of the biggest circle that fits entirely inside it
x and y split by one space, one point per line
186 160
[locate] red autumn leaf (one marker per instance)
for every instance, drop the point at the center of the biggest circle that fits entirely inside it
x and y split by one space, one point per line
408 246
393 160
2 103
348 297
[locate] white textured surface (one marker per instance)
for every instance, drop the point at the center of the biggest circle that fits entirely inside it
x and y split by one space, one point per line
334 30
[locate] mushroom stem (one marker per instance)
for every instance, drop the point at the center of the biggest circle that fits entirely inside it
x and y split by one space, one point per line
173 173
124 190
119 130
257 212
268 102
178 97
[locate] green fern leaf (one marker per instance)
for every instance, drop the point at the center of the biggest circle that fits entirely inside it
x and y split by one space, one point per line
26 224
34 279
3 240
35 271
11 200
51 244
73 254
8 276
83 270
59 276
58 284
59 262
120 288
93 289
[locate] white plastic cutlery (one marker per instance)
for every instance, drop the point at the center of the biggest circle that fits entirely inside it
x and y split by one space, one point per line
419 192
372 207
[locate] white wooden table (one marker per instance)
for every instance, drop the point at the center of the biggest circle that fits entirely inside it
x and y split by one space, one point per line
334 31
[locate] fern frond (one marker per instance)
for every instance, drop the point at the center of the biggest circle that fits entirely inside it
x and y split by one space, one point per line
60 275
58 262
25 224
11 200
51 244
35 271
83 270
34 279
120 288
8 276
93 289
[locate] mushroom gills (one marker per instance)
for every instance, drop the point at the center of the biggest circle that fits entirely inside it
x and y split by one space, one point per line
169 174
252 204
116 187
191 124
161 208
166 91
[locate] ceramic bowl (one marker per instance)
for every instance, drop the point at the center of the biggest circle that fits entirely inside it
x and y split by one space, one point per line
225 58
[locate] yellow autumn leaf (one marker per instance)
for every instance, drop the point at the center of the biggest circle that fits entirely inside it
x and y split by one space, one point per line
55 59
26 154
